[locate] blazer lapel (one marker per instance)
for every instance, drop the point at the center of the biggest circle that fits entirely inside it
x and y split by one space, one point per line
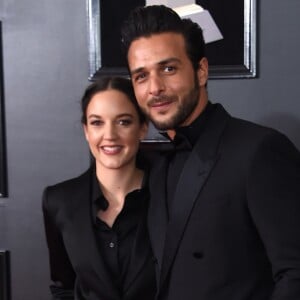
84 239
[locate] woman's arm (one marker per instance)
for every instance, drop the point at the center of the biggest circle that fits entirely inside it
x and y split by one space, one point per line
62 273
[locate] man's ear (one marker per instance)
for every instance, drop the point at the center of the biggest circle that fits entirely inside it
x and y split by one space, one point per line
202 71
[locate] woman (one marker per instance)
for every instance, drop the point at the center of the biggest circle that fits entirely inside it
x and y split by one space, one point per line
96 223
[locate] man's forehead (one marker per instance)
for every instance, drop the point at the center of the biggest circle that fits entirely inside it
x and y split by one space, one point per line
155 50
159 63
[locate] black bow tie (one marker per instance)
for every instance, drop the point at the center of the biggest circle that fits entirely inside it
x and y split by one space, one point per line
181 142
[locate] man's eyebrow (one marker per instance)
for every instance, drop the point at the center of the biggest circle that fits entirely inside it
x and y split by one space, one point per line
169 60
160 63
137 70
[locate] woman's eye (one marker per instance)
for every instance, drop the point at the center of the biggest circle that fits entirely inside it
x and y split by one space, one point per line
125 122
96 122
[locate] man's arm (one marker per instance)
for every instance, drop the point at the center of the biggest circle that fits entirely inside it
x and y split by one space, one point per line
273 191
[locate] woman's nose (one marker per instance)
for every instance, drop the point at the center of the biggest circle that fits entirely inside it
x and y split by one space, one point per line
110 131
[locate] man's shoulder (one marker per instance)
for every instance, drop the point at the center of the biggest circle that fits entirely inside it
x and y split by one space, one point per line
249 129
244 136
241 126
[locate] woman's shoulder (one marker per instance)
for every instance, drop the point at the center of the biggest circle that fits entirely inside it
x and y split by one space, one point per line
71 182
63 190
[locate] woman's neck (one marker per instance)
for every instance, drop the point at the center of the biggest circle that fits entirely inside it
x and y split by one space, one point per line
117 183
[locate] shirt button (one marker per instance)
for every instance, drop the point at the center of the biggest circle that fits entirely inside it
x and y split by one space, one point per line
198 255
111 245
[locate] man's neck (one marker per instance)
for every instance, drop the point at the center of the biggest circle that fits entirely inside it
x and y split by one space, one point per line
193 116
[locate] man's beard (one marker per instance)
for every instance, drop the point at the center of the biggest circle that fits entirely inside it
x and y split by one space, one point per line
184 109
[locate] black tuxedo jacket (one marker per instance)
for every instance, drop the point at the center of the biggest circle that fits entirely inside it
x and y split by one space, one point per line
75 260
233 232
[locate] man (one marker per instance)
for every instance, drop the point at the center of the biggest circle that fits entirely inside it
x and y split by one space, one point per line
224 218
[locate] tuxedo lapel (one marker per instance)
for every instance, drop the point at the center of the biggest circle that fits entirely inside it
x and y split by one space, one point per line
157 215
192 179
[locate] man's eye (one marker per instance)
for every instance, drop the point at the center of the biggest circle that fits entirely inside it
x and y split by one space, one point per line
139 77
169 69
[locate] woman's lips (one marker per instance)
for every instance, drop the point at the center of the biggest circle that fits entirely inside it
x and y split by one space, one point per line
111 149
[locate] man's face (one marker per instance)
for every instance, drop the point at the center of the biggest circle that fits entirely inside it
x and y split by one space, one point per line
167 87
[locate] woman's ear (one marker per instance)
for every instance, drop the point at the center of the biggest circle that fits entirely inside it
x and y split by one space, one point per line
144 130
84 127
202 71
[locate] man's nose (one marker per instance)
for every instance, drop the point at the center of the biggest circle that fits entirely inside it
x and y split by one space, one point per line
157 85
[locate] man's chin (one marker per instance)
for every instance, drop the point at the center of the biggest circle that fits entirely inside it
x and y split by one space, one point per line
162 125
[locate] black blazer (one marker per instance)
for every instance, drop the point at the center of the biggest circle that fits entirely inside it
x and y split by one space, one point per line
234 229
75 261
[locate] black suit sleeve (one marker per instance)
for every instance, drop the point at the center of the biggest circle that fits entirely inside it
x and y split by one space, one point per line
273 191
62 273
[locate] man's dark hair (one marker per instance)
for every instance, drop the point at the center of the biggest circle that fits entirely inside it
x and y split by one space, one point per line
155 19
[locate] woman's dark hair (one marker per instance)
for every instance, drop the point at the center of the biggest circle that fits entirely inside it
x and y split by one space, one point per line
120 84
156 19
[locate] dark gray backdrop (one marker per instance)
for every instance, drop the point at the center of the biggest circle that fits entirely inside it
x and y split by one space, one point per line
46 70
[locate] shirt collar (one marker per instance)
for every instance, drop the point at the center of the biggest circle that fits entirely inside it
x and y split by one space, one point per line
99 201
187 136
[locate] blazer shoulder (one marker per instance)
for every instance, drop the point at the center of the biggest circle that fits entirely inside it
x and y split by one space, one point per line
56 195
250 131
236 126
249 138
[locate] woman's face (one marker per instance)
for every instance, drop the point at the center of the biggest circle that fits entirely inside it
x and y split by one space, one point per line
113 130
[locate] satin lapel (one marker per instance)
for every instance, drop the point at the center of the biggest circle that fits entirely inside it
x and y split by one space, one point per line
193 176
83 238
185 195
157 214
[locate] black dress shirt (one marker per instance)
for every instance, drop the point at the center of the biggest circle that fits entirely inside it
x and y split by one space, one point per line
115 243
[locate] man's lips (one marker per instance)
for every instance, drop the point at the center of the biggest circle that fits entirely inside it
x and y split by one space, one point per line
161 103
